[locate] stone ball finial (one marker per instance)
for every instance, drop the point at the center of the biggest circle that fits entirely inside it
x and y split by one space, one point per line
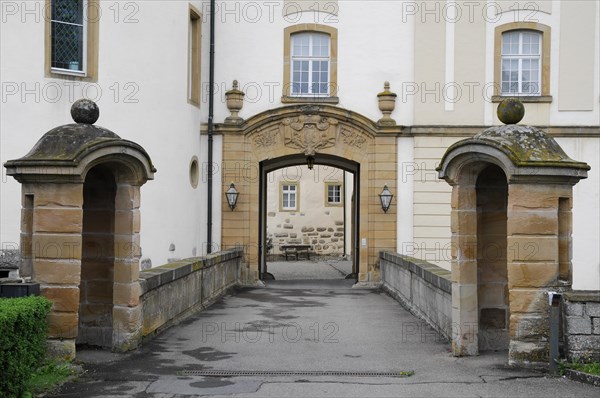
386 86
85 111
235 85
510 111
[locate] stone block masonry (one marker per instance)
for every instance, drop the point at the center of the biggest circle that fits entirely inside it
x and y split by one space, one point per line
9 263
323 238
173 291
423 288
581 325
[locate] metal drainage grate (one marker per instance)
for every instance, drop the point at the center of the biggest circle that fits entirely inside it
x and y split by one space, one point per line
266 373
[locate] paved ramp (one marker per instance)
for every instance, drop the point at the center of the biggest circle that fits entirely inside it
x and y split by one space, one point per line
316 269
306 338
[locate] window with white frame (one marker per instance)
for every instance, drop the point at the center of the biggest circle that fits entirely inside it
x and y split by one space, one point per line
334 194
289 197
68 36
521 63
310 64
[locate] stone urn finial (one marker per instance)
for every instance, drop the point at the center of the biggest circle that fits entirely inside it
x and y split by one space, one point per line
387 104
235 102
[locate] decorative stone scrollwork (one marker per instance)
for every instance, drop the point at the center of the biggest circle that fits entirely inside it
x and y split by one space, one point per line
266 138
309 133
352 137
310 109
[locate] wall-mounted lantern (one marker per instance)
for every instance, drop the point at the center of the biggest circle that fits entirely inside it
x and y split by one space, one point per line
232 196
310 162
386 199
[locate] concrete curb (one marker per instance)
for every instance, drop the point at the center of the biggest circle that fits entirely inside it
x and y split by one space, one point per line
582 377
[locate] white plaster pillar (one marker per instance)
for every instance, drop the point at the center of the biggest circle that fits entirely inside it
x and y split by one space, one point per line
405 194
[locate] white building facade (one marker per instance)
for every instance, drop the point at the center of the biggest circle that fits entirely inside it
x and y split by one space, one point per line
146 64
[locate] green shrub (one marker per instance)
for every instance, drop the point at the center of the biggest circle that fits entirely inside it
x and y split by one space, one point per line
23 331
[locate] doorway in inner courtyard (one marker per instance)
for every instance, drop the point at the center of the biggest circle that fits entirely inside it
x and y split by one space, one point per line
308 218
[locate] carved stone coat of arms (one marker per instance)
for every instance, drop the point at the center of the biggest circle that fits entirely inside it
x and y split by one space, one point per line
309 133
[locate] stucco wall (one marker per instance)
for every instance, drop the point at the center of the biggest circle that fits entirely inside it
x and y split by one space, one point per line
586 214
144 96
428 203
431 202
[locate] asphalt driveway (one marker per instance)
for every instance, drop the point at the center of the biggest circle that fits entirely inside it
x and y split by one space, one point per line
307 339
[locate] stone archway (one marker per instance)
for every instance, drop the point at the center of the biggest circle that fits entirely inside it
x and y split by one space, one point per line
309 130
270 165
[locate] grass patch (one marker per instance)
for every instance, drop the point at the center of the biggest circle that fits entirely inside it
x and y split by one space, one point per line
591 368
48 378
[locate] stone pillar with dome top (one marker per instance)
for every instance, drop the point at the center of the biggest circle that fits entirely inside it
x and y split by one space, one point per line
511 236
80 225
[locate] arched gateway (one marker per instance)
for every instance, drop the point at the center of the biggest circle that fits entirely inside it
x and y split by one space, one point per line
289 136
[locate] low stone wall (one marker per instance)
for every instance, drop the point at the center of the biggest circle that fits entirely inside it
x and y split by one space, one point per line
423 288
9 263
581 325
173 291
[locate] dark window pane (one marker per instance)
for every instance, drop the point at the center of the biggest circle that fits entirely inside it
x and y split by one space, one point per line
67 46
70 11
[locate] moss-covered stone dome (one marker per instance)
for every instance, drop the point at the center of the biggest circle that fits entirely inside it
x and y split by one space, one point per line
525 153
68 142
68 145
525 146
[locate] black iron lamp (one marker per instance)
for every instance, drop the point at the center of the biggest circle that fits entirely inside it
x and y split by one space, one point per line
386 198
310 162
232 196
